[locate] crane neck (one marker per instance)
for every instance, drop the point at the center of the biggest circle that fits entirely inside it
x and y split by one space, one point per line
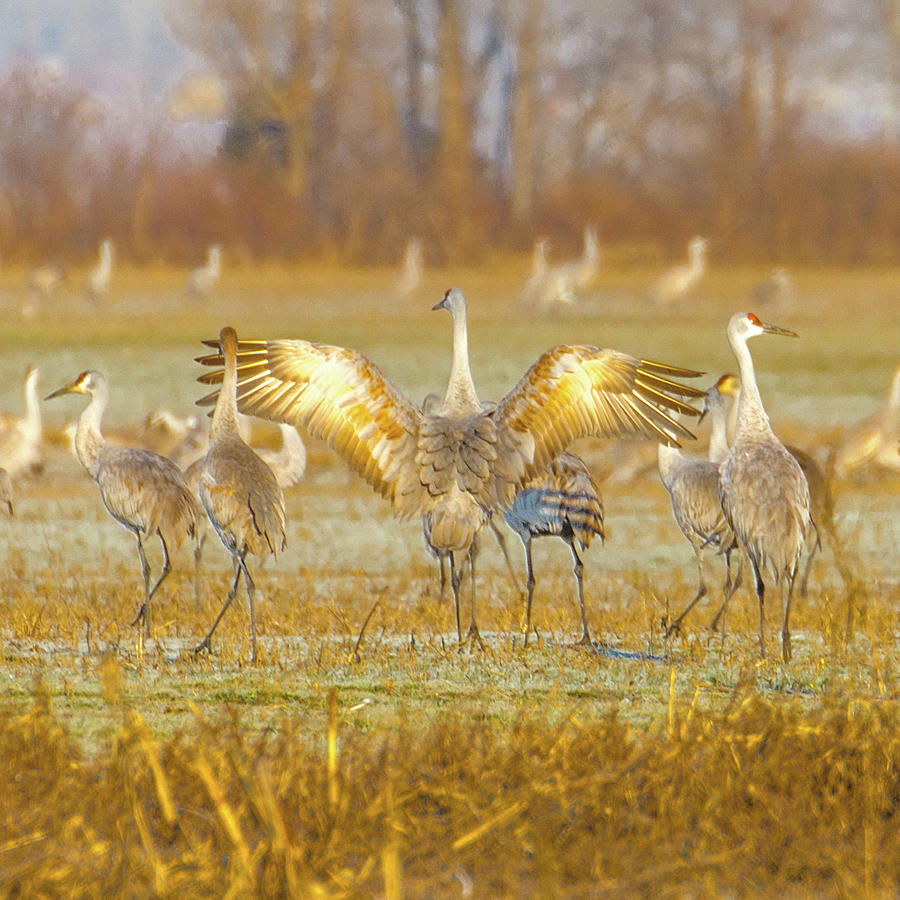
751 415
89 442
669 459
894 396
225 416
718 437
461 397
32 407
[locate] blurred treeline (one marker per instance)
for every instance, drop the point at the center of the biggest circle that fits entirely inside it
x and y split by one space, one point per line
353 125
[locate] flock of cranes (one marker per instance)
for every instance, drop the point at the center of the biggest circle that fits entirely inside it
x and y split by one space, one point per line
456 461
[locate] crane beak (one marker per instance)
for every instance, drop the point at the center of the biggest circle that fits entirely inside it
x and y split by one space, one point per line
774 329
72 388
442 304
703 411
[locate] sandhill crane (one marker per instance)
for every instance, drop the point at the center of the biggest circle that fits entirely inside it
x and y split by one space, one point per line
141 490
821 502
560 284
43 282
461 462
535 284
762 489
411 267
99 276
872 442
430 405
239 492
693 486
6 491
21 439
679 281
204 278
563 501
775 290
288 462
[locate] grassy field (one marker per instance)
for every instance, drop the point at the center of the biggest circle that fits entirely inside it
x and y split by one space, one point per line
395 765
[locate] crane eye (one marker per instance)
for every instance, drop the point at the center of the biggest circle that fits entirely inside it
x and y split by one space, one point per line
752 319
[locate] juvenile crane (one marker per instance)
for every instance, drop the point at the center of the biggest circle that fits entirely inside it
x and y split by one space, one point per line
693 487
239 492
461 462
762 489
144 492
21 437
564 501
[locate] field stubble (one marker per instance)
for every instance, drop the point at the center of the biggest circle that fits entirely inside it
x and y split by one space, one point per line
691 767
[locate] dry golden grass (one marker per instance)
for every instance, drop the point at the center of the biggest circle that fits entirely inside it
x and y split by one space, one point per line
688 769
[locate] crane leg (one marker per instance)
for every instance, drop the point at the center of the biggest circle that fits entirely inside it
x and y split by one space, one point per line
204 644
198 554
454 585
804 581
785 629
701 592
529 584
728 591
761 596
585 640
473 633
251 590
143 613
442 563
501 540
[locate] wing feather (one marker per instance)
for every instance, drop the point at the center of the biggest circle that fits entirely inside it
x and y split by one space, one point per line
575 391
340 397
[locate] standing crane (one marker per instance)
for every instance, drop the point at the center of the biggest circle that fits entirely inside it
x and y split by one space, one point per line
693 487
204 278
98 278
461 462
21 438
239 492
563 501
821 501
873 441
560 284
678 282
762 489
411 267
144 492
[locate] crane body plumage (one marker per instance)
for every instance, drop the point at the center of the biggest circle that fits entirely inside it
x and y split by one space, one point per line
462 461
144 492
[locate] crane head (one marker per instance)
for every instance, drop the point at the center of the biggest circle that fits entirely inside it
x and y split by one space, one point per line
453 301
85 383
747 325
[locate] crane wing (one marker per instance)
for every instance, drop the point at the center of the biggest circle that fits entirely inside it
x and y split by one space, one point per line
338 396
580 391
